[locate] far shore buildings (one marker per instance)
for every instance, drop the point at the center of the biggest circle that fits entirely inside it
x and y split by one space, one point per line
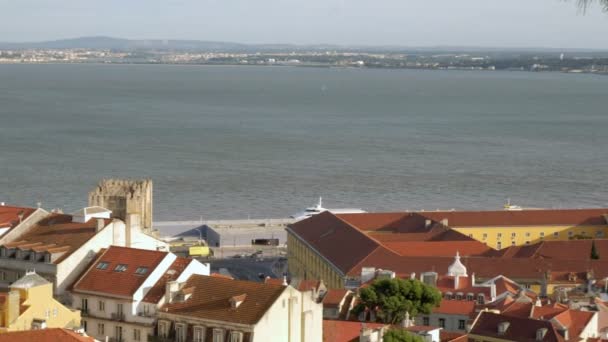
215 309
342 249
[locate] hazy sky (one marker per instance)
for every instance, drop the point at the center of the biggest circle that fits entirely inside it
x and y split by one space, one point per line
500 23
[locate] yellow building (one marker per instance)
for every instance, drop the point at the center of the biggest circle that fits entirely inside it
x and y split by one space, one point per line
29 304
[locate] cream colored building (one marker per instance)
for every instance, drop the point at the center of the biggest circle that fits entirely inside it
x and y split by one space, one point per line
29 304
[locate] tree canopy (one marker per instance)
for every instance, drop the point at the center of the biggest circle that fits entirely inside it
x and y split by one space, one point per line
400 335
391 299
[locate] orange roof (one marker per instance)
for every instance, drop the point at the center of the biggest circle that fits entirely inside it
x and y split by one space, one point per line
308 285
57 233
519 329
334 297
211 300
172 273
44 335
456 307
437 248
345 331
109 281
219 275
11 216
574 320
548 311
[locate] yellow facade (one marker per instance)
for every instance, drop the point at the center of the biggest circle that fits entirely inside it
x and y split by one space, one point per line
503 237
304 263
30 304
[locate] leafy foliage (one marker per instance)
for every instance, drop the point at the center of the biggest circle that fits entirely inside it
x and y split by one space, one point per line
392 298
584 4
399 335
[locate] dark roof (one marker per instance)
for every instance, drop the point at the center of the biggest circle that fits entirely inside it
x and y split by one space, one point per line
519 329
211 296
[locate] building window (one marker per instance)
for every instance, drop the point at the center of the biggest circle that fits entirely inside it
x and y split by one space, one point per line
527 234
470 296
485 236
101 329
198 334
102 306
180 332
218 335
236 336
141 270
498 245
527 242
599 234
513 235
55 311
120 268
570 234
84 305
102 265
136 335
163 329
512 243
426 321
556 234
499 235
442 323
83 323
2 275
471 235
461 323
459 296
480 299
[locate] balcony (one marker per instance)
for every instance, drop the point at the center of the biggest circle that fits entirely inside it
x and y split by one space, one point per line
84 312
117 316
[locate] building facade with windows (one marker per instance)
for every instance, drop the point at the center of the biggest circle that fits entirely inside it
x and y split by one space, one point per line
59 246
213 309
120 292
29 304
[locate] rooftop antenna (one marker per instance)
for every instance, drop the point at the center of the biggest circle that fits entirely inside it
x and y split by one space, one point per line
320 205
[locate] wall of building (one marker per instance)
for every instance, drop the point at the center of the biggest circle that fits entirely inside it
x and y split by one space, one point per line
305 263
529 234
42 305
451 321
102 328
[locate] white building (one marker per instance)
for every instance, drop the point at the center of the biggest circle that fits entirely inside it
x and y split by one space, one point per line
213 309
59 247
121 291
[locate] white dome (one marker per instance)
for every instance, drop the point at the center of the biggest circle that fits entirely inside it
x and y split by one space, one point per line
457 268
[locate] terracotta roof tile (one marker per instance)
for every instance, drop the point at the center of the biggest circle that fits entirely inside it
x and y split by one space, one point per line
119 283
574 320
60 234
519 329
10 216
211 296
157 291
437 248
456 307
345 331
44 335
307 285
548 311
333 297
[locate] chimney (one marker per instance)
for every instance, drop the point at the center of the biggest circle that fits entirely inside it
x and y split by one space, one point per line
285 280
101 223
473 279
171 289
456 282
444 222
427 223
20 215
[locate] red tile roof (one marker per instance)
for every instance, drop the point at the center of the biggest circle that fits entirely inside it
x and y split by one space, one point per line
345 331
10 216
450 336
157 291
333 297
57 234
548 311
211 300
559 250
308 285
574 320
519 329
112 283
437 248
44 335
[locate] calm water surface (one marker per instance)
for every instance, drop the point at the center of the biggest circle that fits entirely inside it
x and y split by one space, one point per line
228 142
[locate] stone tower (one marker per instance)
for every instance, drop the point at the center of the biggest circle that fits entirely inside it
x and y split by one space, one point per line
125 198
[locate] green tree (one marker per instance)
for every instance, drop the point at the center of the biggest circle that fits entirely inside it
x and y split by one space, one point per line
391 299
584 4
594 254
400 335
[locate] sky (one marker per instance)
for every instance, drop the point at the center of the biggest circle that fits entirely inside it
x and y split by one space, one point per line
479 23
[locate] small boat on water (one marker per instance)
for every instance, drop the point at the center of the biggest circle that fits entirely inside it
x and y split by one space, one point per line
317 209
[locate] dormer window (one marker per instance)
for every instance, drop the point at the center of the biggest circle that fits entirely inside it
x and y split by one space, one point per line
3 252
120 268
141 270
103 265
481 299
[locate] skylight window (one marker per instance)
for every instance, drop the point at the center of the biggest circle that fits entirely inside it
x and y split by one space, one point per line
102 265
141 270
120 268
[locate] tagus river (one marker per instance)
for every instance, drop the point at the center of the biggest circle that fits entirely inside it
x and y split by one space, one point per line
232 142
